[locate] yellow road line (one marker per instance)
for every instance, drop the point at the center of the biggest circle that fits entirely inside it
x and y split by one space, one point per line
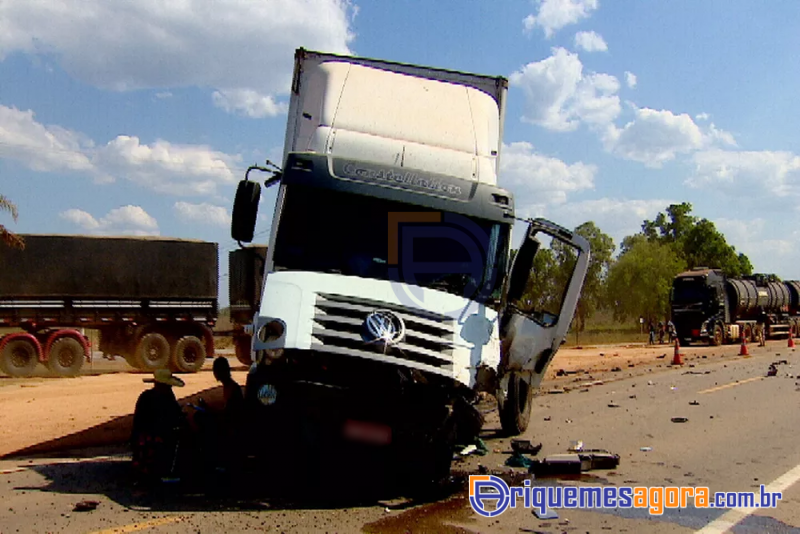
726 386
140 526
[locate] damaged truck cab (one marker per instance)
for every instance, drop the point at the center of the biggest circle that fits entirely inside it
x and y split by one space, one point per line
389 299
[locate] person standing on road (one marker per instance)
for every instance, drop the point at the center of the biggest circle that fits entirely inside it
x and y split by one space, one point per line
652 339
157 420
220 429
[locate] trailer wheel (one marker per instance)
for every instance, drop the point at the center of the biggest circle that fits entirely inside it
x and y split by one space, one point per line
188 355
242 345
66 357
717 338
516 410
18 358
152 352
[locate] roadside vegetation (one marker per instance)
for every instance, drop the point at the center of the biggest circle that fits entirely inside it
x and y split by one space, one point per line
635 283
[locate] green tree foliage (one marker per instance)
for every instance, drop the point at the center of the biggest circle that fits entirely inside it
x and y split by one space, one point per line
639 281
594 287
696 241
7 236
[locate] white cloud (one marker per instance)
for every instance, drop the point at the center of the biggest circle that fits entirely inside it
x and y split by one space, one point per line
702 116
163 95
161 166
590 42
630 79
165 167
40 147
770 249
202 213
555 14
127 220
749 174
656 137
559 96
127 45
248 103
539 180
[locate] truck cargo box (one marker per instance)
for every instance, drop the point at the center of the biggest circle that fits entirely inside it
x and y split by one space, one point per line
71 266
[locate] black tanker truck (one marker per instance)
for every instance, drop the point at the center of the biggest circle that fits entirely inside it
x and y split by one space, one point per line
153 301
706 306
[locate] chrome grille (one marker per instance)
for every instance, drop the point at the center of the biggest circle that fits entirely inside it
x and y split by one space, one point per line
428 344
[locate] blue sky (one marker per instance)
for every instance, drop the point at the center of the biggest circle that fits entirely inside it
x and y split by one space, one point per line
139 117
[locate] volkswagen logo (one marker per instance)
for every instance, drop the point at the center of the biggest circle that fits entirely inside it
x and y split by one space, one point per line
383 326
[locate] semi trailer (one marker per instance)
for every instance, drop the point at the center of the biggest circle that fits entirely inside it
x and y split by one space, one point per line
152 300
706 306
389 297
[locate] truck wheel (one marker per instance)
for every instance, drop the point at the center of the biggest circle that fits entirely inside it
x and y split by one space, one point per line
66 357
152 352
516 410
188 355
242 345
717 338
18 358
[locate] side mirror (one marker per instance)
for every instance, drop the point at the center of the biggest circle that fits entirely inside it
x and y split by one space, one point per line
245 211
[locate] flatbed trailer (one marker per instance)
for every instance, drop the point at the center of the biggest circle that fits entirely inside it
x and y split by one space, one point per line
153 301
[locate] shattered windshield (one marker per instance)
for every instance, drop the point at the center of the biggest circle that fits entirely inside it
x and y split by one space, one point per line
354 235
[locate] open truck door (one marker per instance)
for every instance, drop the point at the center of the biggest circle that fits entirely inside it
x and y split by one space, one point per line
535 320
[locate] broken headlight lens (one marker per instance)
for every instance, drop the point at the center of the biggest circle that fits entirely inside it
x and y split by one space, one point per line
272 331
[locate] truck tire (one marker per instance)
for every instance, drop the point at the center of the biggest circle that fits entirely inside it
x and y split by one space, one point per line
152 352
188 355
66 357
516 410
717 337
18 358
242 345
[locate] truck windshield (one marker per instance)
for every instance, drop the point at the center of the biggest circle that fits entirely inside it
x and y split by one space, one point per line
328 231
689 292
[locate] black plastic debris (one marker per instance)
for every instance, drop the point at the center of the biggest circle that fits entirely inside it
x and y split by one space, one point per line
679 419
694 403
524 446
574 463
773 371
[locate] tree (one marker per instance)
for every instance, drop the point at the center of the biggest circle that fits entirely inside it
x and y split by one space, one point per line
7 236
696 241
593 294
639 281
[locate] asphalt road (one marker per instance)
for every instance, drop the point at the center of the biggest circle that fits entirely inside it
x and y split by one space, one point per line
740 433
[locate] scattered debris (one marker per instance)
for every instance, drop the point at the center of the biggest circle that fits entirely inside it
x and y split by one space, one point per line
556 391
773 371
673 388
661 357
697 372
575 446
781 362
616 369
518 460
613 405
547 418
85 506
574 463
561 372
651 383
645 449
469 449
549 514
694 403
679 419
524 446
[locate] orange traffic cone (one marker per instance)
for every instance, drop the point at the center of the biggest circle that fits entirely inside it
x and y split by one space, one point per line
677 359
743 350
791 337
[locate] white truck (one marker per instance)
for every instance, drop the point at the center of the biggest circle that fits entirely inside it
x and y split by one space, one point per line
388 300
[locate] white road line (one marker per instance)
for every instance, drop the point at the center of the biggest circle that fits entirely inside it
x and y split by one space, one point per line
734 516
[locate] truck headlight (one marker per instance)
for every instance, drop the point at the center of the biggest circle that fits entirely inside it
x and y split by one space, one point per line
272 331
